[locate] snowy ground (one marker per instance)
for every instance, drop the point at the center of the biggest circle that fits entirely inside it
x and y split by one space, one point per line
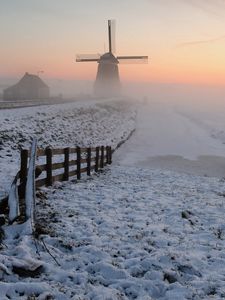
125 234
178 137
128 232
80 123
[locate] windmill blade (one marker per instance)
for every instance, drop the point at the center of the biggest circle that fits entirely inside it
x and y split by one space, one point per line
140 59
112 35
87 57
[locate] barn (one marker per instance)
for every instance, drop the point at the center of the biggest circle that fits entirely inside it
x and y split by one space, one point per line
28 88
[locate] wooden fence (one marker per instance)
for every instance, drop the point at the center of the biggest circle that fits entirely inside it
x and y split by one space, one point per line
70 162
21 199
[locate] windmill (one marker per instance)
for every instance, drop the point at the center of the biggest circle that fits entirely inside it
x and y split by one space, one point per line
107 81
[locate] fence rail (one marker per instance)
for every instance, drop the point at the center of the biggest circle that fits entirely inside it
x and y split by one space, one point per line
84 160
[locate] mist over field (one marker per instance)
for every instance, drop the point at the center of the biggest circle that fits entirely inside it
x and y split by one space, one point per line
193 94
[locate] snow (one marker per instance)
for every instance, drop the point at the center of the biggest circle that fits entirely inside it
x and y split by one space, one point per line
138 233
30 186
142 228
13 201
177 137
115 238
87 123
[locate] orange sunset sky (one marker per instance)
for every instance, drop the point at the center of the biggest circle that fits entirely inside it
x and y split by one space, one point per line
184 39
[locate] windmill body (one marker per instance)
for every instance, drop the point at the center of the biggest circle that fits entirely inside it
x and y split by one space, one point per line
107 81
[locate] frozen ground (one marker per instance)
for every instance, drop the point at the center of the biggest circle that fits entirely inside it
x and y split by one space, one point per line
124 234
132 231
177 136
84 123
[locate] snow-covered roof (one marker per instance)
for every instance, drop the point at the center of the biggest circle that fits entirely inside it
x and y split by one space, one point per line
29 81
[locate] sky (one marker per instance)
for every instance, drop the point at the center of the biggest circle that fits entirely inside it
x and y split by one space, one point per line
184 39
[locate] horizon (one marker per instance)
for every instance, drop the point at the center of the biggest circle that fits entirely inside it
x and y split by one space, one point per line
182 92
185 40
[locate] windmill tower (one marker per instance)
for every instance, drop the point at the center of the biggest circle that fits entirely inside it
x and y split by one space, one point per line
107 81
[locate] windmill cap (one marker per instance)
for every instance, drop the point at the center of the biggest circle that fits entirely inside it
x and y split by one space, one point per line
109 57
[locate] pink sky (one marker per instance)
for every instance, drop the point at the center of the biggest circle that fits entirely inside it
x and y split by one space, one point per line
185 40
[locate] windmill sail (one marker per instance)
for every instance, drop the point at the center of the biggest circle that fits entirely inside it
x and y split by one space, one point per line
111 35
139 59
87 57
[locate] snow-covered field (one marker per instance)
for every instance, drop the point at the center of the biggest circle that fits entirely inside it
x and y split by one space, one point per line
124 234
128 232
178 136
80 123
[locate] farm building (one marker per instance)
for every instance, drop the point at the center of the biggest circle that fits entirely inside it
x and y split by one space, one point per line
29 87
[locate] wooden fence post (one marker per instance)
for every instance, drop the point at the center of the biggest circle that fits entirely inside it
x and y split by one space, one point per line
78 163
107 154
66 163
110 155
89 161
48 152
23 165
96 159
102 157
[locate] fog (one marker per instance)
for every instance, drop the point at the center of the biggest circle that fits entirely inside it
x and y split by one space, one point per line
179 126
201 96
196 96
203 102
208 99
182 93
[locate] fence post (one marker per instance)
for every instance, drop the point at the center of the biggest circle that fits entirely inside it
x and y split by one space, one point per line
48 152
66 163
78 163
23 165
107 154
89 161
110 155
102 157
96 159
